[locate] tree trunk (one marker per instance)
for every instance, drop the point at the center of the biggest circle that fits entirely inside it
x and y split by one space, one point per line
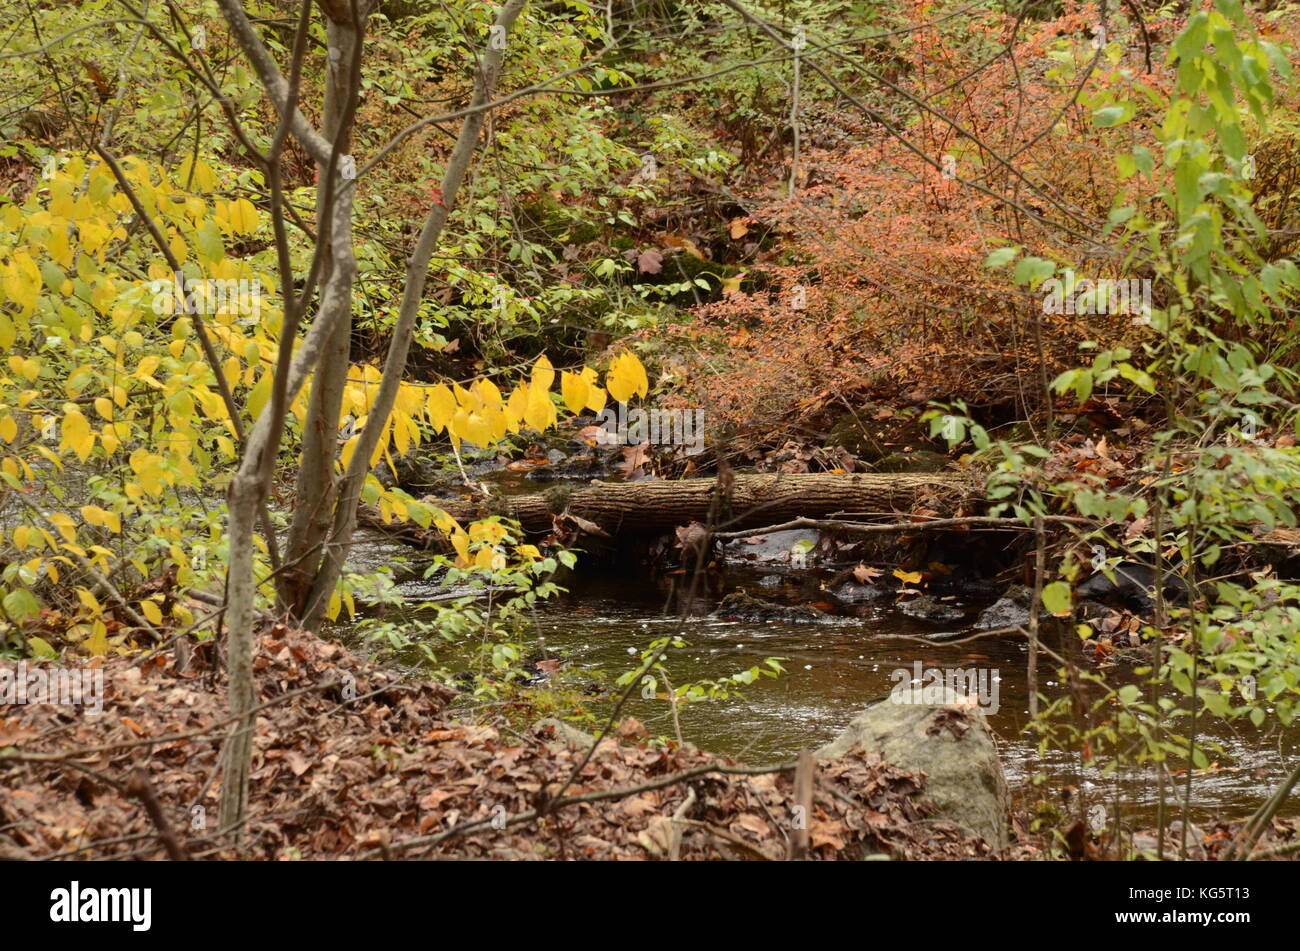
316 488
755 500
335 547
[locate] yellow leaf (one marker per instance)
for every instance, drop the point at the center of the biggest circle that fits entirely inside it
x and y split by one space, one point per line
104 407
152 612
77 435
440 407
907 577
97 643
64 523
543 373
517 406
575 391
259 395
487 558
401 435
489 394
498 423
243 216
731 285
619 382
540 411
475 430
8 428
460 542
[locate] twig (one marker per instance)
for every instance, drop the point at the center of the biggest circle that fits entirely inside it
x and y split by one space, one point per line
804 773
675 849
140 787
554 805
1254 828
730 838
885 528
16 756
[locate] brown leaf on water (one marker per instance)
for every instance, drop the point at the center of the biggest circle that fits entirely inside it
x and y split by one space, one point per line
866 574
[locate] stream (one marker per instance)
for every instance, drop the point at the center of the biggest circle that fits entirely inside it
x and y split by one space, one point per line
834 669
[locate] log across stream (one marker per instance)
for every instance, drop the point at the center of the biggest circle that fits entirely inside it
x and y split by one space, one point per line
744 501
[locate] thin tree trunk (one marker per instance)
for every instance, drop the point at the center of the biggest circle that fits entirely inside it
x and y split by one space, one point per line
249 487
417 269
316 488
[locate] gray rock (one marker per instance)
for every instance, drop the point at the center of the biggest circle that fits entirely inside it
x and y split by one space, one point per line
963 776
565 733
776 548
928 609
1132 585
853 593
1004 612
742 607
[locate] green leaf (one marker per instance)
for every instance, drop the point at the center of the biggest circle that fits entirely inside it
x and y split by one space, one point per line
1033 271
1002 256
1143 159
1110 116
20 604
40 647
1057 598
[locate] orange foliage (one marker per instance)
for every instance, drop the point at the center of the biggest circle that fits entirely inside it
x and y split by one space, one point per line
889 248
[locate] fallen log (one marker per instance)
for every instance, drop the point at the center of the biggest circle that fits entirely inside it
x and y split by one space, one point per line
752 500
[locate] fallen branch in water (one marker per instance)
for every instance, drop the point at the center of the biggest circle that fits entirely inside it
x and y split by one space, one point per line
887 528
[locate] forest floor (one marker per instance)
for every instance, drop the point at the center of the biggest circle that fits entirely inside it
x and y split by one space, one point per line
390 773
